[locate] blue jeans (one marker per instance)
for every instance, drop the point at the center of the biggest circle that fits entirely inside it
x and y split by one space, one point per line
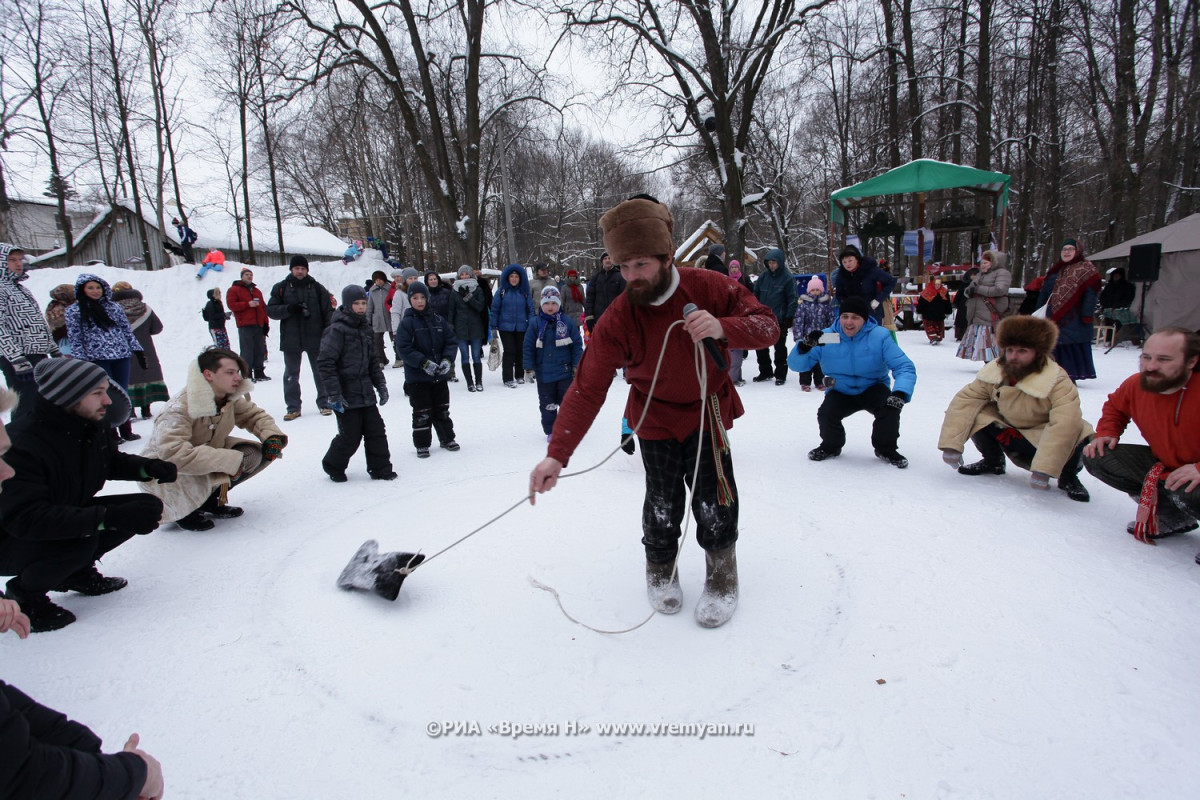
206 266
475 347
117 370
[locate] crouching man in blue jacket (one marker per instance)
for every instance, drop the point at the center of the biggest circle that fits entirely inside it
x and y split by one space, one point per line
859 366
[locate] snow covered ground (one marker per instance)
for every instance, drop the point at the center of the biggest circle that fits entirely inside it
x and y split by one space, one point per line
911 633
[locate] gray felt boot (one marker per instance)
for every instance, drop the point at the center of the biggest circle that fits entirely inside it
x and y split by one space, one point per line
720 597
373 572
662 588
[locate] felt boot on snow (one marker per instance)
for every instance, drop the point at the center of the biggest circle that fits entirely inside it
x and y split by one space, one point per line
90 582
381 574
983 467
1074 489
662 588
720 597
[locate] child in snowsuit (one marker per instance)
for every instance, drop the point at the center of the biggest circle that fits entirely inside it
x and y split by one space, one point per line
426 344
351 375
553 348
814 312
214 314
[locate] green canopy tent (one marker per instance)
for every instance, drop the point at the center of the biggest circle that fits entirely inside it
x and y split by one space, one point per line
920 177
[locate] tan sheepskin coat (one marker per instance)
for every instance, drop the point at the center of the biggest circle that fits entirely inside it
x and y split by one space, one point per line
1044 407
194 436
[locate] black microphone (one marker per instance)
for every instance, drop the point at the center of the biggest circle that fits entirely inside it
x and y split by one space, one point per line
709 344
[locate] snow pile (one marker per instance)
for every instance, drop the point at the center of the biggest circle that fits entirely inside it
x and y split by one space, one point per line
908 633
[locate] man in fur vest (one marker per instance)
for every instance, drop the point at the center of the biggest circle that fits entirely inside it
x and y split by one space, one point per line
639 235
1024 406
192 433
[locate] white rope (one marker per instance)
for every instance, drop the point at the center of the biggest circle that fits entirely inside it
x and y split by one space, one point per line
701 367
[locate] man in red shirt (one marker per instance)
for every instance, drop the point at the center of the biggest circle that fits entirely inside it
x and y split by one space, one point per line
639 234
1163 400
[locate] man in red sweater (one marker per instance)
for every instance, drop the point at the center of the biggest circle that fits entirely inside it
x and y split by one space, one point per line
639 234
1163 400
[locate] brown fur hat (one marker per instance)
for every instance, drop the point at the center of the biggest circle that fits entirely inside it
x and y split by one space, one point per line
640 226
1040 335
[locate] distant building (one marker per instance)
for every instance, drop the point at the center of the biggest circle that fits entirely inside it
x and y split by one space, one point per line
33 223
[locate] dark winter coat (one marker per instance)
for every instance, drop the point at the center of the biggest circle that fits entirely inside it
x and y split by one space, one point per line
1075 327
439 298
860 361
603 287
512 306
47 755
214 315
716 259
425 336
552 347
88 340
303 330
1117 293
777 290
348 363
238 297
62 461
869 282
468 314
936 309
146 325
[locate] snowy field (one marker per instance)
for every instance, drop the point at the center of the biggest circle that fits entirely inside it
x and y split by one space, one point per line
901 634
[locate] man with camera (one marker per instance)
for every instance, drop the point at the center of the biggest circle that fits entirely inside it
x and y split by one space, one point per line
859 359
302 306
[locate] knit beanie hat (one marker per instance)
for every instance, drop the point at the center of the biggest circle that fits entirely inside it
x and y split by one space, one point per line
352 293
246 272
1070 243
397 273
856 305
550 295
816 284
298 261
465 271
66 381
640 226
416 287
409 273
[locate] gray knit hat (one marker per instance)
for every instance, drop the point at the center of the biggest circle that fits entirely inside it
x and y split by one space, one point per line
409 273
65 381
352 293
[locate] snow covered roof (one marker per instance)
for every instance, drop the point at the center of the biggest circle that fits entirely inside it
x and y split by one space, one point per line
219 229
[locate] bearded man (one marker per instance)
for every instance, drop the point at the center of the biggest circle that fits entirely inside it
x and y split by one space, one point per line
639 234
1023 406
1163 400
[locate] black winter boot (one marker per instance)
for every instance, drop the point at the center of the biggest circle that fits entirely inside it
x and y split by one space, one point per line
214 508
662 588
982 467
1074 489
90 582
478 369
43 614
720 597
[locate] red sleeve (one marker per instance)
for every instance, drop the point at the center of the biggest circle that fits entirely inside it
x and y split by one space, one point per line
749 325
1117 413
587 393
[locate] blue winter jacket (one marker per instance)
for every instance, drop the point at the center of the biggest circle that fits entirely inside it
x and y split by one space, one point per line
552 347
424 336
512 306
91 342
861 361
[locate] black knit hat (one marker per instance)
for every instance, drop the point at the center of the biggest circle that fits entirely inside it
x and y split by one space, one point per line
856 305
416 287
352 293
66 381
298 261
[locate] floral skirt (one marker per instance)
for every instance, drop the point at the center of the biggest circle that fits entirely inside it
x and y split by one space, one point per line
220 337
978 344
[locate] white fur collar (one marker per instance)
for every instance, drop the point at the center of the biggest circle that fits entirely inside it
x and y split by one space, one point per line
200 399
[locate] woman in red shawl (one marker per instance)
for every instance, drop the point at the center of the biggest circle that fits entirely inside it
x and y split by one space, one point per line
1069 294
934 306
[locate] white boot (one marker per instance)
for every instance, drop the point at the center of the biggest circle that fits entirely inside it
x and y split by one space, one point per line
662 588
720 597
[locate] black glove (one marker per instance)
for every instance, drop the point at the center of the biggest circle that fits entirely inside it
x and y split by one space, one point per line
136 515
266 328
383 395
896 400
22 368
140 355
811 339
787 323
464 290
627 444
295 308
161 471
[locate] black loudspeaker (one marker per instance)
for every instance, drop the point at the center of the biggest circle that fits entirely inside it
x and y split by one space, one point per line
1144 261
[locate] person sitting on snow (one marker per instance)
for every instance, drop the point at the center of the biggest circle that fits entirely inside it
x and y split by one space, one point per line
192 433
1024 406
215 260
859 361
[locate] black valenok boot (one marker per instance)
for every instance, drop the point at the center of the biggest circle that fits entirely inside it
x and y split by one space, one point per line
90 582
43 614
720 597
662 588
215 508
982 467
1074 489
381 574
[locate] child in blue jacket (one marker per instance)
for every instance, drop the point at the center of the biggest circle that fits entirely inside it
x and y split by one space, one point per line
552 348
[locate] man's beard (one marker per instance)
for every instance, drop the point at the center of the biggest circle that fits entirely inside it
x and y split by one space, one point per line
643 293
1015 374
1164 383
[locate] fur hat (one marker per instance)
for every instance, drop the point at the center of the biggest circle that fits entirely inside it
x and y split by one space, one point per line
416 287
856 305
815 283
1036 333
351 294
640 226
379 275
298 261
850 250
